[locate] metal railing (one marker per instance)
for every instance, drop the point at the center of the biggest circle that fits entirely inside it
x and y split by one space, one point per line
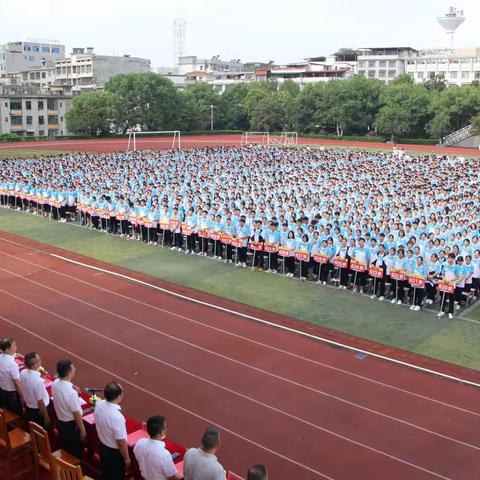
457 136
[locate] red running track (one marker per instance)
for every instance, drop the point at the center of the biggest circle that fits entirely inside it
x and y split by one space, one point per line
120 144
305 409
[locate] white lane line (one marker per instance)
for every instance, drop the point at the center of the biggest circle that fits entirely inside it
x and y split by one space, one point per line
168 402
246 365
226 389
293 355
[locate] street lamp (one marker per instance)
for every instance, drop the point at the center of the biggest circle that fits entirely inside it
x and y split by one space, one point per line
211 116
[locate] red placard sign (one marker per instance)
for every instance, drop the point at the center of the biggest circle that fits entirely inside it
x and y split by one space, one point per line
376 272
226 239
340 262
416 281
446 287
284 252
237 243
186 230
270 248
320 258
215 236
302 256
165 225
203 233
357 266
258 246
398 276
149 224
120 216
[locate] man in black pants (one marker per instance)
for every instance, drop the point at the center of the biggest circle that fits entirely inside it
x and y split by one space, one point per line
112 433
10 390
66 401
34 391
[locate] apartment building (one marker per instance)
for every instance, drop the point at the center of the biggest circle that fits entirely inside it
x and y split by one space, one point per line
20 56
457 67
85 70
33 115
192 63
384 64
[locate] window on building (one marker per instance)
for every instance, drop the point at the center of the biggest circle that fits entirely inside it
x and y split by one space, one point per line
371 63
6 119
37 75
40 104
41 133
32 75
31 59
453 74
371 74
392 63
16 120
46 49
28 105
51 104
55 50
391 73
44 75
382 73
361 72
15 104
35 48
382 63
466 75
52 119
26 48
29 120
442 74
41 119
420 75
477 75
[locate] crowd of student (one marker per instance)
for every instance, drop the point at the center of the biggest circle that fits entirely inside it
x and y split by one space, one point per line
409 223
24 393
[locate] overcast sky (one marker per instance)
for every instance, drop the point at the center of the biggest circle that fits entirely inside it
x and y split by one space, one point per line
252 30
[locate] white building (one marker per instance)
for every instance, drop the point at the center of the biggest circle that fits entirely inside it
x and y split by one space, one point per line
19 56
85 70
383 63
33 115
456 67
192 63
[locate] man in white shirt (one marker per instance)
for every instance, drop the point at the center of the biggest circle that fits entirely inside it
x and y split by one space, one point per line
68 410
154 459
11 396
201 463
112 433
34 391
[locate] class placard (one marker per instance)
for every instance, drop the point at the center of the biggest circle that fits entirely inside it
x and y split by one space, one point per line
375 272
165 225
215 236
226 239
284 252
149 224
270 247
340 262
203 233
186 230
257 246
445 287
120 217
357 266
302 256
416 281
237 243
320 258
397 276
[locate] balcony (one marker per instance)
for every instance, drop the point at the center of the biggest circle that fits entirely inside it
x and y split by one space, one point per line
16 128
53 126
16 112
53 111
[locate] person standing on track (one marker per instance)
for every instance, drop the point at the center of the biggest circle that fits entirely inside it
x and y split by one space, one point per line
66 401
11 396
112 433
34 391
201 463
154 460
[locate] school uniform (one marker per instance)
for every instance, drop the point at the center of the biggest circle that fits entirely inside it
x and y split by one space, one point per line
344 254
9 372
33 390
421 271
257 256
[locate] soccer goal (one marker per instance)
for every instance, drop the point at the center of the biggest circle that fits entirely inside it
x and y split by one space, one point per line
289 138
255 137
164 138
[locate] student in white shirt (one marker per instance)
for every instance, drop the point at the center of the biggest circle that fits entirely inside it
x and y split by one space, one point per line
67 406
154 460
11 396
112 433
34 391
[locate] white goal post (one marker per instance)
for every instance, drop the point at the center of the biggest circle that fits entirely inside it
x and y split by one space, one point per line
289 138
255 137
133 134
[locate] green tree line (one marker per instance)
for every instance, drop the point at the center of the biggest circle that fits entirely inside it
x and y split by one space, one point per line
356 106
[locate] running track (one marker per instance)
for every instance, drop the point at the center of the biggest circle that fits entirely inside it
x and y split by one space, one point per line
120 144
307 410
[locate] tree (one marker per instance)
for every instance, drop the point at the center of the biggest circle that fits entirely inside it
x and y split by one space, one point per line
476 125
453 109
310 108
196 100
404 106
91 113
435 83
144 99
231 113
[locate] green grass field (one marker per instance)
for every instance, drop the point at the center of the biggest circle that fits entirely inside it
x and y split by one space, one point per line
20 153
454 341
